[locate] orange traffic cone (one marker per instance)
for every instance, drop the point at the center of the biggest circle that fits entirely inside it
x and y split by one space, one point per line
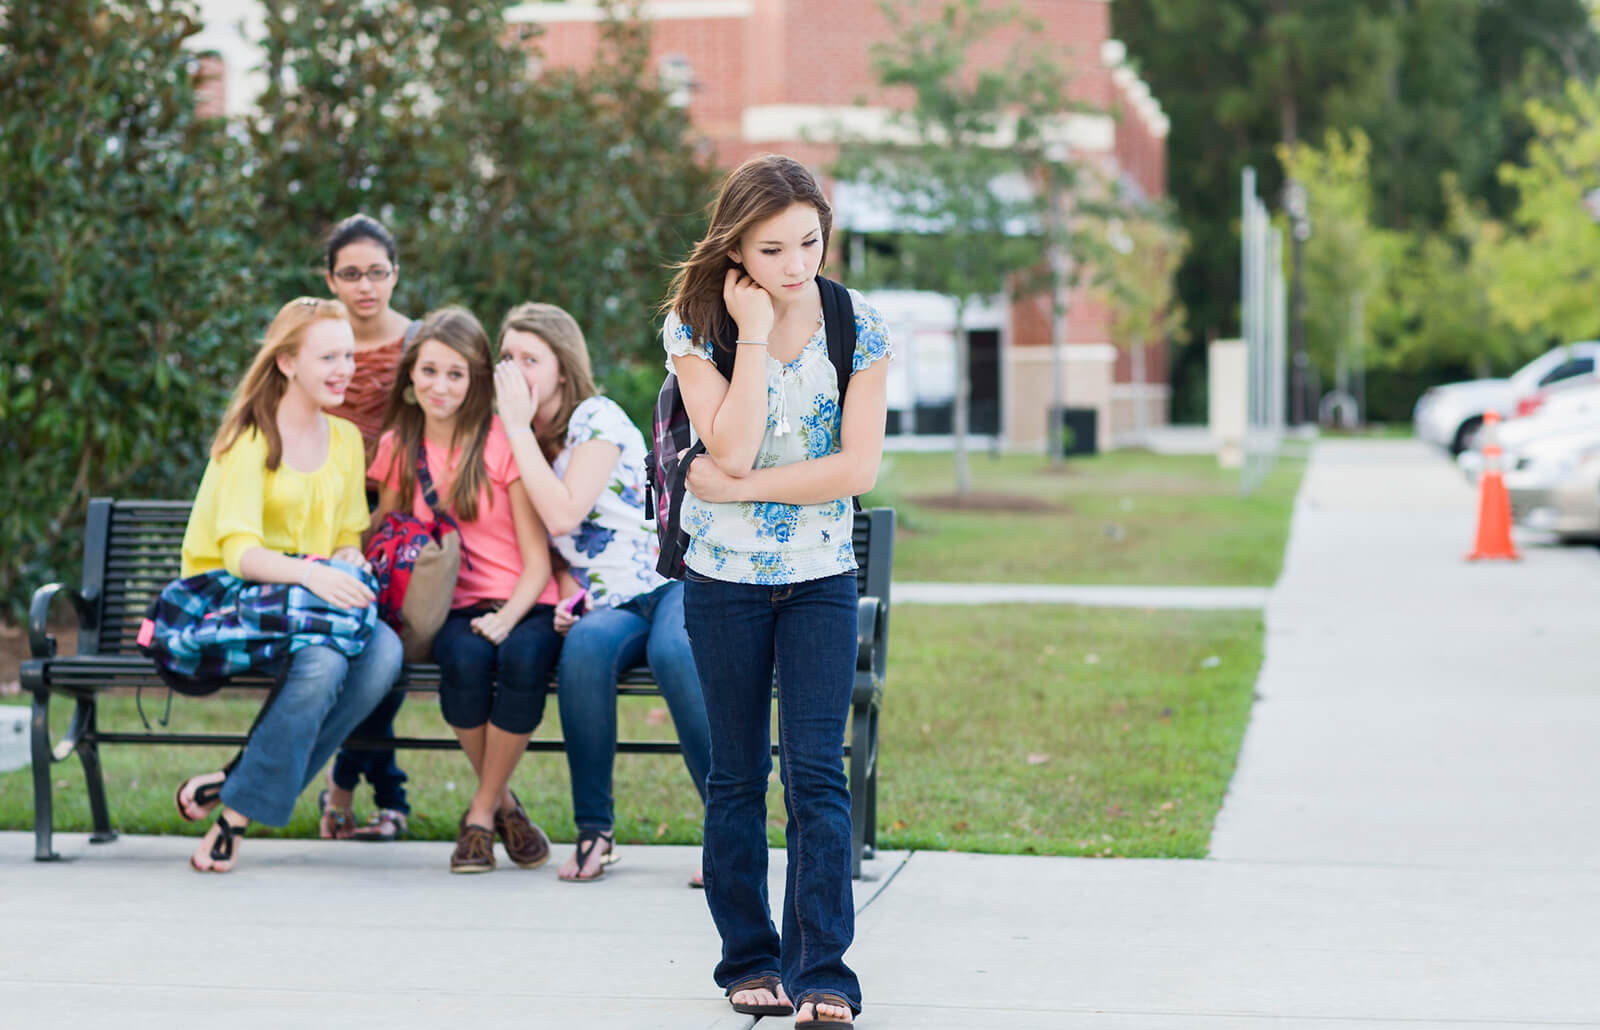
1494 504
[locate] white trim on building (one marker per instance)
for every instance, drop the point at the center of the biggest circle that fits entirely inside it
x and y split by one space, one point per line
776 123
658 10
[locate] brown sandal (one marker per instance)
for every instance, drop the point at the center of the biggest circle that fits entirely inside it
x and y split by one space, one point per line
815 998
765 982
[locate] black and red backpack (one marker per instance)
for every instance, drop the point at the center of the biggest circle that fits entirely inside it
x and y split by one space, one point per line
667 463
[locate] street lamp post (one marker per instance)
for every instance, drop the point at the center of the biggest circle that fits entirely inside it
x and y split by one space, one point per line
1294 201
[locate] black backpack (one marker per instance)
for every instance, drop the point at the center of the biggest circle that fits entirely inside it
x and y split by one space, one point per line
664 470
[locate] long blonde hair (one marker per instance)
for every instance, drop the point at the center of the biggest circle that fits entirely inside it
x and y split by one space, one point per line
561 331
256 399
459 330
760 188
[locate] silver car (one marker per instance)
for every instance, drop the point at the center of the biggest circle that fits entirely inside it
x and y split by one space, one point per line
1555 484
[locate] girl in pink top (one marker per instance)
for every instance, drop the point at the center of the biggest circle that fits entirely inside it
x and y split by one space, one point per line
498 647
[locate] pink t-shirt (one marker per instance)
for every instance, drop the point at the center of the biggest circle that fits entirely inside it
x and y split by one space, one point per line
490 540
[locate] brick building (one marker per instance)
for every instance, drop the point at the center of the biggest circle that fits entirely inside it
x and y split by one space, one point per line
780 76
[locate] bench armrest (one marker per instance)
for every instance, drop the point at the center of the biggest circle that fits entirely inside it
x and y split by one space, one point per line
870 646
40 643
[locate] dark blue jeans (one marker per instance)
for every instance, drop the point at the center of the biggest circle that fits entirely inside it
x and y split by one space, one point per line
376 764
503 684
807 632
603 643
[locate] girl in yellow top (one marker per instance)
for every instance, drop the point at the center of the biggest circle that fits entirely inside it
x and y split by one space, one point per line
286 479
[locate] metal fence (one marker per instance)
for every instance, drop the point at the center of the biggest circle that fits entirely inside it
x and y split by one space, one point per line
1264 325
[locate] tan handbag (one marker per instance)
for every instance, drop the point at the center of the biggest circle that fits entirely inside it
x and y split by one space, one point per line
416 564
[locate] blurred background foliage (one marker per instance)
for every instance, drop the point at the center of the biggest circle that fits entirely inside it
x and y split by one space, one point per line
1446 141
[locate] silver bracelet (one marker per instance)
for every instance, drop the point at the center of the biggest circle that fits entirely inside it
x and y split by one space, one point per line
305 577
752 343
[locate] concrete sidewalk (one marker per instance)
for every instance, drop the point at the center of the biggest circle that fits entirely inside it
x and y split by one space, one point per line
1411 841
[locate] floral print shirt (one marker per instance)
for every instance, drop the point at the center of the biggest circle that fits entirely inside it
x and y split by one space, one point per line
613 551
766 542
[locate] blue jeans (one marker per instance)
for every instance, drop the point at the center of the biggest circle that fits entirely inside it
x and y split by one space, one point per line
503 684
807 632
324 696
603 643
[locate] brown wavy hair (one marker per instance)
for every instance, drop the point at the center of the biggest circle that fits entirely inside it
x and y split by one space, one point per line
755 191
255 400
457 329
561 331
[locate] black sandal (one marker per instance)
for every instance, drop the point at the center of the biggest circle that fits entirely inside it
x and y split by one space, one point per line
765 982
815 998
222 847
588 840
204 796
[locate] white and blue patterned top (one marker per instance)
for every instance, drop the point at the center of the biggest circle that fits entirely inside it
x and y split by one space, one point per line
614 549
766 542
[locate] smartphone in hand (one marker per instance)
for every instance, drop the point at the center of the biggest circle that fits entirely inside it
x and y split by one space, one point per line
576 605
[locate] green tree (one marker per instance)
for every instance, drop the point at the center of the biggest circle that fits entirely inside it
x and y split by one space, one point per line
1543 265
1347 257
1437 86
120 313
1137 281
432 115
963 172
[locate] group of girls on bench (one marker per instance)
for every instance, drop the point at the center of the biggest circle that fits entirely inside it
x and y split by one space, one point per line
561 453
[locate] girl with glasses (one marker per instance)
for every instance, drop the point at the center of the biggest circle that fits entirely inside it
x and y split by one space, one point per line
363 269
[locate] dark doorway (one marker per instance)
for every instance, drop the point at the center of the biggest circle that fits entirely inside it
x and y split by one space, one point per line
983 369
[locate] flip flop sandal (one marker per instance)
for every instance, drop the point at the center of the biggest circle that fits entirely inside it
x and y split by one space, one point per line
816 998
204 796
385 825
588 840
334 823
222 847
765 982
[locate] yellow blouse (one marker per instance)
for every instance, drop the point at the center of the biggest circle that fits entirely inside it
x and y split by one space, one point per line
241 504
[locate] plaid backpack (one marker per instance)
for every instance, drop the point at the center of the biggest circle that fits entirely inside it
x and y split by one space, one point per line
666 465
202 629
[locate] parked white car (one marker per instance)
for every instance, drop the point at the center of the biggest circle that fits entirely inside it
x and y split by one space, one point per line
1449 416
1572 405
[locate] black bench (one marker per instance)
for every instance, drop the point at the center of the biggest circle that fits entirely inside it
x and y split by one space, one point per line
131 551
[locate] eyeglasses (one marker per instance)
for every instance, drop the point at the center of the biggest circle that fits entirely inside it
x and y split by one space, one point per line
377 274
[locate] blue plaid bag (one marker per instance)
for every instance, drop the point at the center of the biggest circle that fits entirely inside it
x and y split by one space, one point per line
205 628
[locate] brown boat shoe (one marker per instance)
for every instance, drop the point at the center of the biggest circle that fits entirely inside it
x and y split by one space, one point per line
525 843
474 849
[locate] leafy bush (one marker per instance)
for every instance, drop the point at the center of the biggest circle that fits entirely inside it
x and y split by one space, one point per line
128 292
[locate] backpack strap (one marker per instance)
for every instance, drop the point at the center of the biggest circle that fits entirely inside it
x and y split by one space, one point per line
425 480
411 334
839 321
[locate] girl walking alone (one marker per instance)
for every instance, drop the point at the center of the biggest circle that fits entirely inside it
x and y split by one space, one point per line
769 584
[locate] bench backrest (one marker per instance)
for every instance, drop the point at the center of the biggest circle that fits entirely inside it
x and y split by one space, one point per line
132 549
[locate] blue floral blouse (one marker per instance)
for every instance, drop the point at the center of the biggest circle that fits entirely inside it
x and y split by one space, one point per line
766 542
614 549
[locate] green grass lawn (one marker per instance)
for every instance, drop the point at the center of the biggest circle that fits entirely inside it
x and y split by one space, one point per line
1031 729
1127 517
1010 728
